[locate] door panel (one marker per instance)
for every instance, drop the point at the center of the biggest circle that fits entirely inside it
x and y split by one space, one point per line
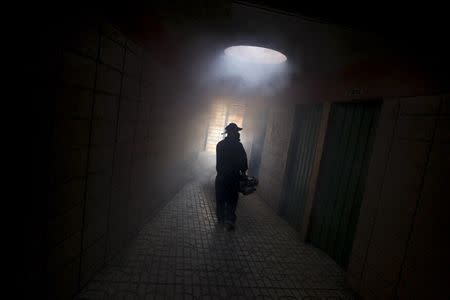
343 170
299 163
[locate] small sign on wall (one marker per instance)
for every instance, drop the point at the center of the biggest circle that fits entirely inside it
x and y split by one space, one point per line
356 92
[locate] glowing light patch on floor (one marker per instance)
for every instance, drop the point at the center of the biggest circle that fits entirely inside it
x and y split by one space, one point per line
257 55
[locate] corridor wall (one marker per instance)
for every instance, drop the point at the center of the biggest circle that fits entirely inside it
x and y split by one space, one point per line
400 250
119 143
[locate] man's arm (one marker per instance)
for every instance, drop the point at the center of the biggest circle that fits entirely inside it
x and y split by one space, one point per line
244 164
218 158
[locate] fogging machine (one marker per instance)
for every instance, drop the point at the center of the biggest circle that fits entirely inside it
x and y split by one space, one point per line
247 184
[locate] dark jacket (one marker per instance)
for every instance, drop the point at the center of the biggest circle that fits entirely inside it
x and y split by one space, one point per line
231 158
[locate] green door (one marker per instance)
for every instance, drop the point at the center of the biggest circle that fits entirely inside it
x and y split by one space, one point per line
343 170
302 149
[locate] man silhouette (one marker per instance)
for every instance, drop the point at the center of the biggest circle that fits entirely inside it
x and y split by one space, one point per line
231 164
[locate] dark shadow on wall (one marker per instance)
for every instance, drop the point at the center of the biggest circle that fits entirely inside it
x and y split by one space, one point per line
106 152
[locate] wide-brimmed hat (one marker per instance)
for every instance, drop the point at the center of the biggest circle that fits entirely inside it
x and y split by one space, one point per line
232 127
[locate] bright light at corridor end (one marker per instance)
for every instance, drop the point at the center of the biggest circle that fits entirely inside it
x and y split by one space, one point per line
258 55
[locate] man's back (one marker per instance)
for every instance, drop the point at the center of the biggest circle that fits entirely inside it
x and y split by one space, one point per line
231 157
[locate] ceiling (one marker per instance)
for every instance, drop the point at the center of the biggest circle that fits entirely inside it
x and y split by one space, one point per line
311 46
380 16
316 38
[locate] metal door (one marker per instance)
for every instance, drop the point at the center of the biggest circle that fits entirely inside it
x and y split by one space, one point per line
343 170
299 163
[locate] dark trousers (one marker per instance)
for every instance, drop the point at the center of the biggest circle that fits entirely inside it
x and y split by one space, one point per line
227 195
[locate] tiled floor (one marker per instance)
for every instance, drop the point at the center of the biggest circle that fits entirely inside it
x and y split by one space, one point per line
183 254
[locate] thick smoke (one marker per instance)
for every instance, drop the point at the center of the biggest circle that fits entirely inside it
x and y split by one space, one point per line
249 79
214 75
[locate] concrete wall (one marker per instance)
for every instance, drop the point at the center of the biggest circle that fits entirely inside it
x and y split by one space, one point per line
400 248
121 142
